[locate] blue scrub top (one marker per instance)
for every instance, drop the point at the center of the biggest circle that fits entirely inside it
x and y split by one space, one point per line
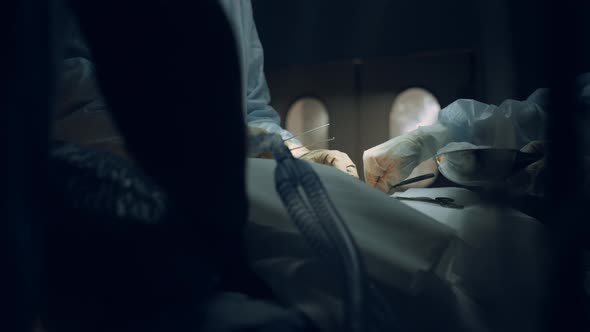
259 113
256 97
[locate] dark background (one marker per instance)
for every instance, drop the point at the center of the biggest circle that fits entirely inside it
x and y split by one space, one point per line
506 36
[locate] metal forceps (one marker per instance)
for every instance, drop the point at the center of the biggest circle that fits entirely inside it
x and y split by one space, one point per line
442 201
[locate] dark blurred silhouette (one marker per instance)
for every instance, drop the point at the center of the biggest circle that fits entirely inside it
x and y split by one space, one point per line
156 244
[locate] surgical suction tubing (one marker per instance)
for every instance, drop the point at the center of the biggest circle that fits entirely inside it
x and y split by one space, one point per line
316 228
323 228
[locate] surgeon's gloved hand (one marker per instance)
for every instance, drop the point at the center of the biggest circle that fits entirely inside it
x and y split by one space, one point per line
536 170
531 179
334 158
390 163
393 161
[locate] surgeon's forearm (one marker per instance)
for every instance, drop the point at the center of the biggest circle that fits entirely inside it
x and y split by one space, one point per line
292 143
430 139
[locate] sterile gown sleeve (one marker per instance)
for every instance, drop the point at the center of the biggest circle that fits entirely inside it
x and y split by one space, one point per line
259 113
512 124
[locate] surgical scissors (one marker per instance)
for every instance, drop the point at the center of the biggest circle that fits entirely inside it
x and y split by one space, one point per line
442 201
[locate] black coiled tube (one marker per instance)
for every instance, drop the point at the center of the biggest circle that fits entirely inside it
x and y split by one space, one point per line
320 223
322 226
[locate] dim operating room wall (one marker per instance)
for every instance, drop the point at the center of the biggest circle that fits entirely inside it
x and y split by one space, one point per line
315 31
506 36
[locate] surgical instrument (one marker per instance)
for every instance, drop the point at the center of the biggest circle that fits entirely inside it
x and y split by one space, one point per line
481 166
442 201
414 179
306 132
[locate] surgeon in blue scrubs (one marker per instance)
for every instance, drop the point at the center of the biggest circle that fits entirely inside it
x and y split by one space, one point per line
259 113
82 115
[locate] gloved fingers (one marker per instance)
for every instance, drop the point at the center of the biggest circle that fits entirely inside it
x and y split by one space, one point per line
373 171
391 162
378 176
351 170
334 158
313 155
537 172
297 150
386 171
536 167
538 147
530 180
535 147
383 184
342 161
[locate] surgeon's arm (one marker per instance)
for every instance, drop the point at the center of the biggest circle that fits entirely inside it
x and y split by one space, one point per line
259 113
510 125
